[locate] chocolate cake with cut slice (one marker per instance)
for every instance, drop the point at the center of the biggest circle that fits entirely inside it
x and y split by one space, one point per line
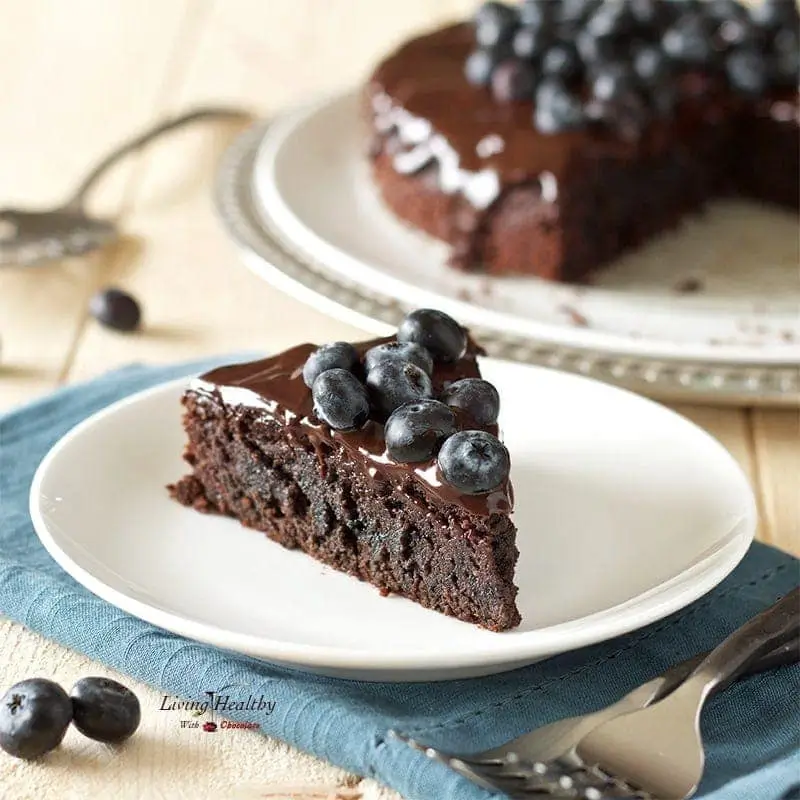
547 138
379 459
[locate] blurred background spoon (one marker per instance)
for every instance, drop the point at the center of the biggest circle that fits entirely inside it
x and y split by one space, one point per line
31 237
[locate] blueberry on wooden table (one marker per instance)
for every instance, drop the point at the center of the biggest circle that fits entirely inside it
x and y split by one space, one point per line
337 355
415 432
474 396
104 709
392 384
116 309
436 331
474 462
34 716
399 351
340 399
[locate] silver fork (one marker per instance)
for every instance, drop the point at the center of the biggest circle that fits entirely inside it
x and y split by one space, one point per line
659 749
543 762
560 738
29 237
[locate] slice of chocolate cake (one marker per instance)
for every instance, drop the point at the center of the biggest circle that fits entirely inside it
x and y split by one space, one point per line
380 459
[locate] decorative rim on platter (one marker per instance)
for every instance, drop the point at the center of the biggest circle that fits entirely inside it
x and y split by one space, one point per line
272 257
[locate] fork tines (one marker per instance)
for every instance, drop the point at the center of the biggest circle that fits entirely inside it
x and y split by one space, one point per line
522 780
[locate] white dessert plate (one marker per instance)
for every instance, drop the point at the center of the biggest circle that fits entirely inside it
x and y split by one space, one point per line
313 190
626 513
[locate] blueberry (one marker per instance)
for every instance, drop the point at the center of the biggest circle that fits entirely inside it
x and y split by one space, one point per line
651 65
513 80
34 716
115 309
724 10
474 462
556 108
478 67
738 32
537 13
529 43
610 20
689 41
747 71
647 14
415 432
399 351
577 11
612 80
494 23
775 14
437 332
337 355
105 710
340 399
476 397
562 60
392 384
595 49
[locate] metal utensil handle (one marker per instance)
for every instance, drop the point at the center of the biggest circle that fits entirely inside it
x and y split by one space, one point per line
210 112
770 629
781 656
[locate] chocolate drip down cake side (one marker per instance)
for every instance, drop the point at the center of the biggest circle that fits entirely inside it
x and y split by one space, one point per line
380 459
549 137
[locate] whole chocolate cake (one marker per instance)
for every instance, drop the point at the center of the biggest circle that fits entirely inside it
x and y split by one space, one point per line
547 138
380 459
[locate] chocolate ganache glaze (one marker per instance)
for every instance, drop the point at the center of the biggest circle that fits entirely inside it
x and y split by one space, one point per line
427 116
275 385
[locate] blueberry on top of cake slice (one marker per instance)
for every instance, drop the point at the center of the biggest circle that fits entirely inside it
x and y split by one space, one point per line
379 458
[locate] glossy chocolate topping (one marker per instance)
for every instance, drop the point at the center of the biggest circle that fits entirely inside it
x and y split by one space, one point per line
275 385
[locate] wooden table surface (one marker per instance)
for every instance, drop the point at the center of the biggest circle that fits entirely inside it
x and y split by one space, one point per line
77 78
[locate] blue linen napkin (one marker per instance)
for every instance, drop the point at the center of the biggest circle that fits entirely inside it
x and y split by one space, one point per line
752 731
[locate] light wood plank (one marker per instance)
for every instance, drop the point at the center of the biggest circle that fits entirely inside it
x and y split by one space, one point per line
776 435
198 298
77 78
